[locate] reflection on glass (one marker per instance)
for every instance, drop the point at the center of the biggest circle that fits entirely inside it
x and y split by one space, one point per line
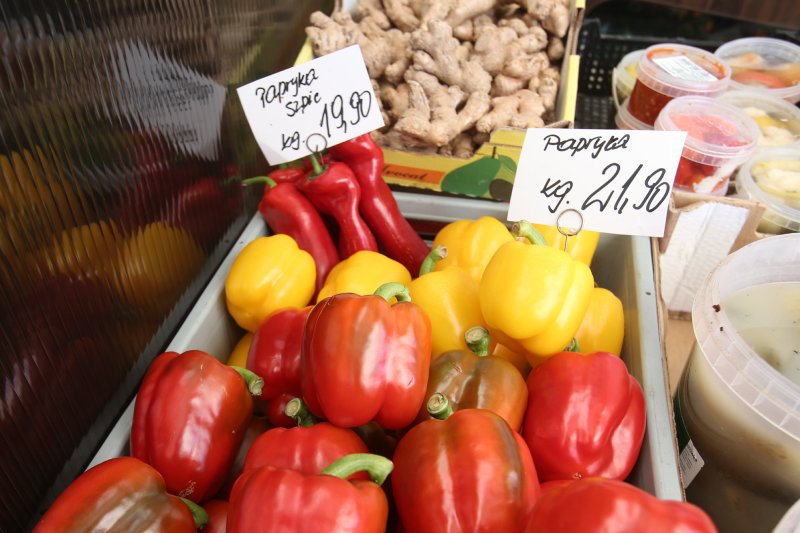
121 138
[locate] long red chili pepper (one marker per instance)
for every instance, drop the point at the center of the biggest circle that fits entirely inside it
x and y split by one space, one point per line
336 192
378 205
286 210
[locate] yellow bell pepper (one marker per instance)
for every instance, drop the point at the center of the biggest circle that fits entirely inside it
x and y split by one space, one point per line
534 295
268 274
580 246
471 244
450 299
603 325
362 273
239 353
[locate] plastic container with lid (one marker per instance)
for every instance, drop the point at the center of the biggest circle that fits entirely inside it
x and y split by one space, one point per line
720 137
765 64
790 523
667 71
625 121
623 77
778 120
737 405
772 177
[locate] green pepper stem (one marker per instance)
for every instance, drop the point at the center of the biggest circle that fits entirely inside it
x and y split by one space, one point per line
573 346
526 230
393 289
316 164
439 406
437 254
260 179
254 382
376 466
297 409
198 513
477 338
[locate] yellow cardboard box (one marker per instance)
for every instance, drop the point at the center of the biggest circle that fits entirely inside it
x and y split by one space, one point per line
489 173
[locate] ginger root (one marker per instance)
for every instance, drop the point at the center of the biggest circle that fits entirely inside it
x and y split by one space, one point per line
523 109
448 73
435 118
435 51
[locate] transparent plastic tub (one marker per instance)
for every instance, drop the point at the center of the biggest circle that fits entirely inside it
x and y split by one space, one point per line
772 177
667 71
764 64
720 137
778 120
737 406
625 121
624 76
790 523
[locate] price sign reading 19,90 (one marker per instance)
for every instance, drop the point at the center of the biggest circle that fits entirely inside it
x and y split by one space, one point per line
617 181
311 106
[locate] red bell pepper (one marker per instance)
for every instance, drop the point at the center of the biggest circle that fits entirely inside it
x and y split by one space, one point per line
585 417
335 191
307 448
269 499
286 210
276 410
469 472
364 359
474 379
378 205
612 506
217 511
257 426
274 353
190 418
121 494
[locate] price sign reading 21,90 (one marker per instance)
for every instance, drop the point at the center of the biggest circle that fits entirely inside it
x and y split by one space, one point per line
311 106
618 181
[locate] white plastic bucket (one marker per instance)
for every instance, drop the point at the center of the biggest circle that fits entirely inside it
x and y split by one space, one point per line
737 416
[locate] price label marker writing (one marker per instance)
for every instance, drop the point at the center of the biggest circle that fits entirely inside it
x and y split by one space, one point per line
311 106
612 181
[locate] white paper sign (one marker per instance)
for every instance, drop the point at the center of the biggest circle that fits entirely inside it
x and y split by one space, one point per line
311 106
611 181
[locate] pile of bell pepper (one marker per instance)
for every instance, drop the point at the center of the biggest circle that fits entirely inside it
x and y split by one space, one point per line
340 206
482 391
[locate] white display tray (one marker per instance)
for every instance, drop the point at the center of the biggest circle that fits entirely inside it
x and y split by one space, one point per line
622 264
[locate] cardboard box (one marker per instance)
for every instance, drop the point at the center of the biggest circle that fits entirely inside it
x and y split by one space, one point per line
409 170
700 232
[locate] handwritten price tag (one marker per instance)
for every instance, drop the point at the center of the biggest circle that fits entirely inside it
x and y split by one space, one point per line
312 106
611 181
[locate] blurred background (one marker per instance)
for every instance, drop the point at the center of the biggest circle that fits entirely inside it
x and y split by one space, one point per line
121 138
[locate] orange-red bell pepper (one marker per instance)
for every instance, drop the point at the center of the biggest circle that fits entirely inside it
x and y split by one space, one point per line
121 494
468 472
474 379
365 360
